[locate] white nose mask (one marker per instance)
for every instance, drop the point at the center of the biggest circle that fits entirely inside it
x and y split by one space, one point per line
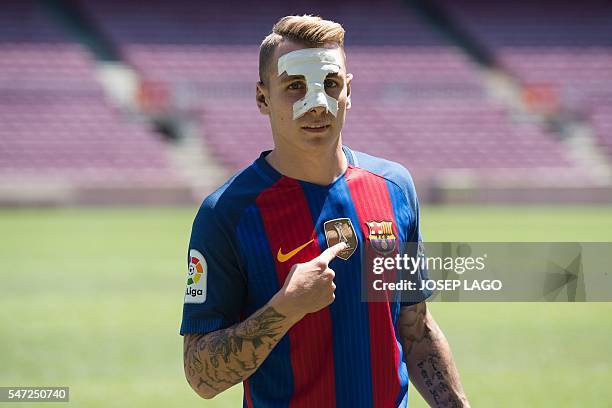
314 64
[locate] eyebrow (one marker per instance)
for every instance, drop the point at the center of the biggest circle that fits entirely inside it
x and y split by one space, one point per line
301 77
293 78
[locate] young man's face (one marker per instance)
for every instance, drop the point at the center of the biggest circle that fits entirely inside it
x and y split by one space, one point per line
279 97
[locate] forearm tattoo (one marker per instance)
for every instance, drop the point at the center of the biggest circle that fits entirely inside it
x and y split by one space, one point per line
429 358
226 357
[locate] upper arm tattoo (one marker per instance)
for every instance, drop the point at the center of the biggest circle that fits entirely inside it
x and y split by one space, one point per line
223 358
411 325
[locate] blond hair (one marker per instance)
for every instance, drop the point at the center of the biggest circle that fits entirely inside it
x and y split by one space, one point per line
312 31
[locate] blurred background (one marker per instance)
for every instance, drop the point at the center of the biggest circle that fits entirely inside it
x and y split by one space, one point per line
117 117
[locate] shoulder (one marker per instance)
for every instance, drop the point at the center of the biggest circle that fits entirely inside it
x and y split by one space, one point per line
390 170
213 205
224 206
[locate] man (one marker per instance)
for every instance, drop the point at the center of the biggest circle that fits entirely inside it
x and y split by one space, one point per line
273 297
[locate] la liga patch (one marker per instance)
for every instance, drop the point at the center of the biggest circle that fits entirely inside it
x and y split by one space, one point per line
196 278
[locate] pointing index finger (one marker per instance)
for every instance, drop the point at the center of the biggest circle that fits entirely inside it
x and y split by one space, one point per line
330 253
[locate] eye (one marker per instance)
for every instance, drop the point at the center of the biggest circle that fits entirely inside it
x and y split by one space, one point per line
330 83
295 85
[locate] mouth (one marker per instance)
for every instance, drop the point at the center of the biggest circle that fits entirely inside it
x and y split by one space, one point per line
317 128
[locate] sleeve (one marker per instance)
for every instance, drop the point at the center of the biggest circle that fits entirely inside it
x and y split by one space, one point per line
215 284
414 246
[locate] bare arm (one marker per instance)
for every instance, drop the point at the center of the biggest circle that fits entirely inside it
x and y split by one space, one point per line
216 361
431 367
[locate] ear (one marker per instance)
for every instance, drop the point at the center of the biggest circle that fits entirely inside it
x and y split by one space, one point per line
349 78
261 97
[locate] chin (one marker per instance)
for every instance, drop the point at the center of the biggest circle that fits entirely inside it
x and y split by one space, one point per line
322 139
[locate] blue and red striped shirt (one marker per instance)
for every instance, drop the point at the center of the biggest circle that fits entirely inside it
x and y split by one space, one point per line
345 355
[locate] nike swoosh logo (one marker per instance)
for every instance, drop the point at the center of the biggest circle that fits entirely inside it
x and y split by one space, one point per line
285 257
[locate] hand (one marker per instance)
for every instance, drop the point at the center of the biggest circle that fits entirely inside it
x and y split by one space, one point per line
309 287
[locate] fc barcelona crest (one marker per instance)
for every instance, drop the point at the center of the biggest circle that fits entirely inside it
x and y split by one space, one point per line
381 236
341 230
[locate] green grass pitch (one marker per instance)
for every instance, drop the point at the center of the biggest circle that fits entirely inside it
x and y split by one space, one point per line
91 299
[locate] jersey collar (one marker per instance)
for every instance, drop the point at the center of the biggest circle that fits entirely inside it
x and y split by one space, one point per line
264 168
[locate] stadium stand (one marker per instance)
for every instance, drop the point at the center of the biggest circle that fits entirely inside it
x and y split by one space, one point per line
417 99
563 46
57 127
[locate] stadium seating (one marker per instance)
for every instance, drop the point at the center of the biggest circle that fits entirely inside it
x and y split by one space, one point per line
563 45
56 123
416 98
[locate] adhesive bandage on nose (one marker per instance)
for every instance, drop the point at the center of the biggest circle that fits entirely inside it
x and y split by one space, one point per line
314 64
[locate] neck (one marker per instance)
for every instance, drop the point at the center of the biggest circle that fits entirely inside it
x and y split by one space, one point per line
319 165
